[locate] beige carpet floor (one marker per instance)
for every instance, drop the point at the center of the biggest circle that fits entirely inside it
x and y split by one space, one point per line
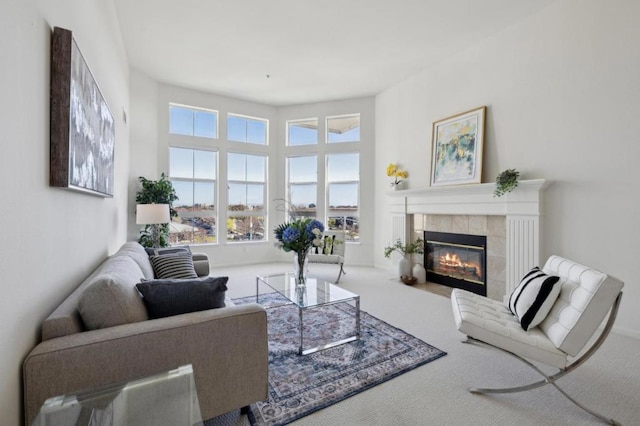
436 393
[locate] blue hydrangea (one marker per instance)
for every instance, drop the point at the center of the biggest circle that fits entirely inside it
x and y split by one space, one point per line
314 224
290 235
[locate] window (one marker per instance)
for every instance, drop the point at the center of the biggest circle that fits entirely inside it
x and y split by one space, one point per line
337 193
246 179
344 128
246 129
193 121
302 178
193 174
343 189
302 132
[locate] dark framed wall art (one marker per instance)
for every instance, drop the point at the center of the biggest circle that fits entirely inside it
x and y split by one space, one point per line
82 126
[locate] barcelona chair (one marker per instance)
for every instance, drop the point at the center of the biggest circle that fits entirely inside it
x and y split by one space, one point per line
332 252
561 339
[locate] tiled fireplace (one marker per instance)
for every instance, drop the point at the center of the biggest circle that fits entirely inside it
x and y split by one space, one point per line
510 224
457 260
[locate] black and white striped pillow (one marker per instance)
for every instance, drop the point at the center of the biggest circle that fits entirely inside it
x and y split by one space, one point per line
175 265
534 297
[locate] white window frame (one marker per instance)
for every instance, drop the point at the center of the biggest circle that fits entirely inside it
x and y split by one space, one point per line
194 180
250 213
326 127
248 117
194 108
328 185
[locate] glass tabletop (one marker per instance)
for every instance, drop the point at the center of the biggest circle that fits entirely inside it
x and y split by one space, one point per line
315 292
168 398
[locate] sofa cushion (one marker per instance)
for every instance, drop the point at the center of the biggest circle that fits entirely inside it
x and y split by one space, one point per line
165 298
534 297
138 253
174 266
111 298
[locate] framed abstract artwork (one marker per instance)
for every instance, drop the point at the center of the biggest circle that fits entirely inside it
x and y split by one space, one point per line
457 143
82 129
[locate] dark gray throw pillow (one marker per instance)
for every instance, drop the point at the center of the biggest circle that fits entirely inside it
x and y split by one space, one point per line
164 298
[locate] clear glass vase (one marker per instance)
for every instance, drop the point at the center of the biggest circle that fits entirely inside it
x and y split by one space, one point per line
301 266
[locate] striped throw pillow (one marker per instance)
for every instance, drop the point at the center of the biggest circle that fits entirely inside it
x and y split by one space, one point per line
175 266
534 297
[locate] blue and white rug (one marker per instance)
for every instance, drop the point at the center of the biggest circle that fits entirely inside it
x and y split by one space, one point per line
300 385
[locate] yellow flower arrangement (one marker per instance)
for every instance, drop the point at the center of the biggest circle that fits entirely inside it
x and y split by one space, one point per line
397 174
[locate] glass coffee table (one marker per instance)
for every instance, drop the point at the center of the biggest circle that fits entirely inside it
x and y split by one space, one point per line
168 398
315 293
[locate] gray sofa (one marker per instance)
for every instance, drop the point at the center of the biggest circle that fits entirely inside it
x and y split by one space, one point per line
227 347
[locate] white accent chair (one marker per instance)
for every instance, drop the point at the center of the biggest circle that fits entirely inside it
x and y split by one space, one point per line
336 256
586 297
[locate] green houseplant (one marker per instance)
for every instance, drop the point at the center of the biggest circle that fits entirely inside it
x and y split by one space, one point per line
159 191
506 181
406 250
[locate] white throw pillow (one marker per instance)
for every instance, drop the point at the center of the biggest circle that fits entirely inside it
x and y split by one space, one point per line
534 297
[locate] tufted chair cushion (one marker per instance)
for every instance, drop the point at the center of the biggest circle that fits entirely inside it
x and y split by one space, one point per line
585 298
490 321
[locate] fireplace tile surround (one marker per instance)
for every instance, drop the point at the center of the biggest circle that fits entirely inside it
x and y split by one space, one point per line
493 227
511 224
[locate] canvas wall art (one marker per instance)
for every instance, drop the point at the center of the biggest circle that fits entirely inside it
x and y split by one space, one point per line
457 149
82 126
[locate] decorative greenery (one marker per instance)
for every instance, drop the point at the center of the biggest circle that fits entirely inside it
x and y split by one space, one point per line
398 175
415 247
506 182
159 191
299 235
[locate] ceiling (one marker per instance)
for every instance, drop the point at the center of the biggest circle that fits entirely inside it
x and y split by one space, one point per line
287 52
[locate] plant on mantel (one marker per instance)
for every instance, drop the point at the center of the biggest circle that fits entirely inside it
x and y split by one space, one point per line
398 175
506 181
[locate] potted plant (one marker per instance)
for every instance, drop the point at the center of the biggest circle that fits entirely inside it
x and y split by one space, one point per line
407 251
159 191
506 181
399 176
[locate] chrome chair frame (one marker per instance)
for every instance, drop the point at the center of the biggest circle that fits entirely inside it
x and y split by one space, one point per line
551 379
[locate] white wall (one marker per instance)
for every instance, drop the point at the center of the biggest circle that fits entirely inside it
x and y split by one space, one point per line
563 98
52 238
143 124
150 146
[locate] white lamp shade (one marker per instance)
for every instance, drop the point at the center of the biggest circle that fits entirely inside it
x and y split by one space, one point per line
149 214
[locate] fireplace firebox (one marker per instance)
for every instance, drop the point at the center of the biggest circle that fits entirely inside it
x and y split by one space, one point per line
456 260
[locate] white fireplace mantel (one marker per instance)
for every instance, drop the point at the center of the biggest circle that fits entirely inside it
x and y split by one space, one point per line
522 208
470 199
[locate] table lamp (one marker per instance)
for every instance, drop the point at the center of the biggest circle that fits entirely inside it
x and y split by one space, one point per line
155 215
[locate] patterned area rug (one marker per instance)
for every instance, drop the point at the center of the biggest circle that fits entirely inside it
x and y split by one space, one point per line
300 385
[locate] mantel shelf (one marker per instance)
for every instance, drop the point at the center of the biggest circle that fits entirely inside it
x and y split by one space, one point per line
525 199
480 188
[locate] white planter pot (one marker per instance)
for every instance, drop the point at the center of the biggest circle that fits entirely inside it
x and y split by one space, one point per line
404 266
420 273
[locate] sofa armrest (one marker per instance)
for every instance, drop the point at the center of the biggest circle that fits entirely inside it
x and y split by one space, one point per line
201 264
227 348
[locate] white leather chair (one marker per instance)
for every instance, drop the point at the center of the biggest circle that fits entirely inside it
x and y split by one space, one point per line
336 255
586 297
